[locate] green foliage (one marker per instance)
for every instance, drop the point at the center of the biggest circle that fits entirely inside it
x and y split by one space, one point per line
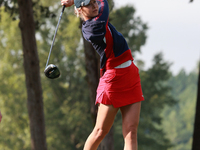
14 127
66 99
179 120
157 95
10 7
131 27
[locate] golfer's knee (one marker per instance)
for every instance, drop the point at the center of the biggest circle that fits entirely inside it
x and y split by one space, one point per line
130 132
100 133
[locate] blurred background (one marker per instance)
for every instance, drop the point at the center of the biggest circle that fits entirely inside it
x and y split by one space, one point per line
163 38
173 30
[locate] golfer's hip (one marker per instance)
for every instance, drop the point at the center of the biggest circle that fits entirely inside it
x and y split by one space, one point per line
125 64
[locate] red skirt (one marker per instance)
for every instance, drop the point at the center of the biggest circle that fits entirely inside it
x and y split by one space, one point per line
120 87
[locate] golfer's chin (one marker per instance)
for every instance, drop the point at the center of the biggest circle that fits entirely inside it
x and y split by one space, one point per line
94 14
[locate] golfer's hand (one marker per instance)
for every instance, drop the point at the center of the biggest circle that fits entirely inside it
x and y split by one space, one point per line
67 3
0 116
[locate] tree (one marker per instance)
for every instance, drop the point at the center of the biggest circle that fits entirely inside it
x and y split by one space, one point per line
31 68
156 94
32 73
133 28
182 113
196 134
14 127
66 98
92 69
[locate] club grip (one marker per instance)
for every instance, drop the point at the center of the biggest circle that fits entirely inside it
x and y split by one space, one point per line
63 8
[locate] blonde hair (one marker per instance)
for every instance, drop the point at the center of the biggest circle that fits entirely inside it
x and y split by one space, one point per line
77 12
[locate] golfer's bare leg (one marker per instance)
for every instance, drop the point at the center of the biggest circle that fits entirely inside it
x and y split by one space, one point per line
105 118
130 121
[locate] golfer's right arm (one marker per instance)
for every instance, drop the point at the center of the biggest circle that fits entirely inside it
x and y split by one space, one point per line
67 3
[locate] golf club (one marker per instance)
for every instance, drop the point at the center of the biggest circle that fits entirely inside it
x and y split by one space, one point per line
51 71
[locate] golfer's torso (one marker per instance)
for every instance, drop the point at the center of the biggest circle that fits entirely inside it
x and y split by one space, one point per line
106 40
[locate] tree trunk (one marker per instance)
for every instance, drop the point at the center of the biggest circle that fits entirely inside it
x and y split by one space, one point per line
32 73
92 69
196 134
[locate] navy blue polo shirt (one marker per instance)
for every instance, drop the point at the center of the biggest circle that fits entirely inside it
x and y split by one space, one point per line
106 40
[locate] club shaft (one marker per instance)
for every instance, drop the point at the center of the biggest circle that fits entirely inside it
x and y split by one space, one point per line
55 35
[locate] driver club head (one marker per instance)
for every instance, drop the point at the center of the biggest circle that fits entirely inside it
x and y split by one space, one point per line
52 71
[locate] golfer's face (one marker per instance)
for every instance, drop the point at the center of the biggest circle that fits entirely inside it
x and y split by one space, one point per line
91 10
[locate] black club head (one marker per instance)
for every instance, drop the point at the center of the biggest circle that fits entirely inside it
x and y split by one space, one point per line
52 71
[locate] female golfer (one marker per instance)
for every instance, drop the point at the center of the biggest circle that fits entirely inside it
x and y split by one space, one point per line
119 86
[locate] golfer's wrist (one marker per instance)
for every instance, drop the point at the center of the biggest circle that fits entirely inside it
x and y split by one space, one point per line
67 3
71 2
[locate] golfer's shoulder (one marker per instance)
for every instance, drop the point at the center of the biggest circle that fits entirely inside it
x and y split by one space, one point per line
93 26
94 30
